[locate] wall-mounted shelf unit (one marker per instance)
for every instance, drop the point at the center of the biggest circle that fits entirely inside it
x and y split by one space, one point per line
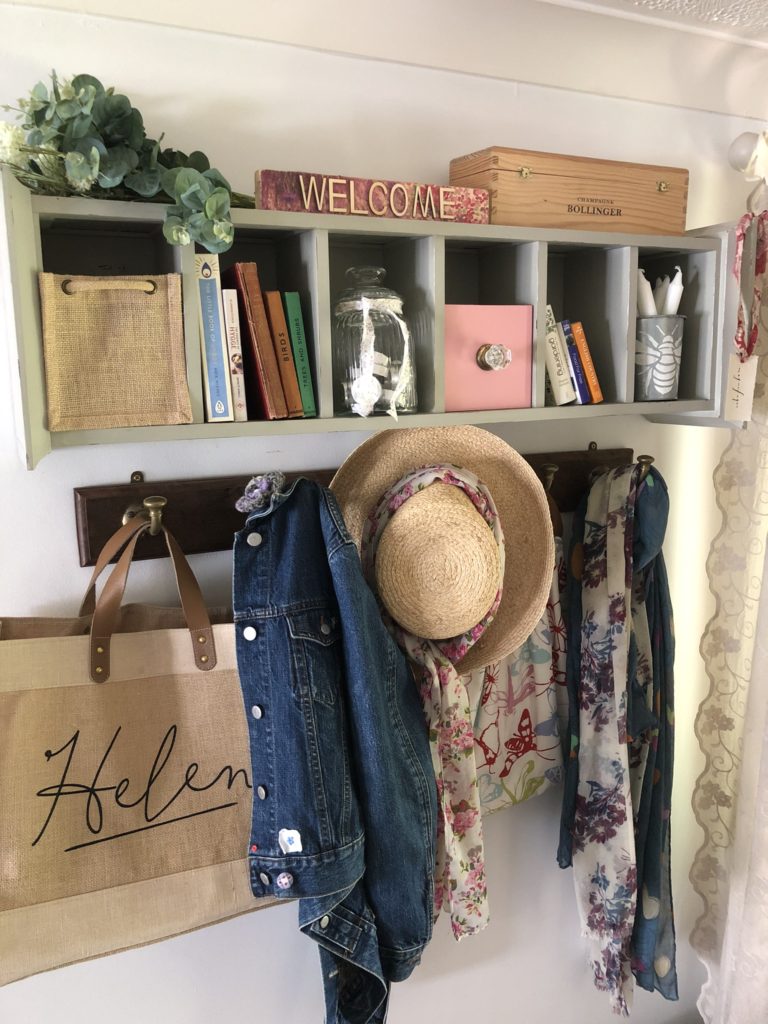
587 276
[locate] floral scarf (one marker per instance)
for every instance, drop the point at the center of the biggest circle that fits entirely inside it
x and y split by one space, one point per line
460 886
604 863
622 878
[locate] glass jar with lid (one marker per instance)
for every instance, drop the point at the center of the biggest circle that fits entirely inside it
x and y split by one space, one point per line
373 364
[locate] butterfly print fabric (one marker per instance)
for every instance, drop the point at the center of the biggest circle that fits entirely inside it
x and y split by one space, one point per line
514 707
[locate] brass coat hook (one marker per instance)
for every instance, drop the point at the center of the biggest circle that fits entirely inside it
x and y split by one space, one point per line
644 462
548 471
150 509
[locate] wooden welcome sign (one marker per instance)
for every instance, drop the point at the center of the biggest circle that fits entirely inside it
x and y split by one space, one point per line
303 192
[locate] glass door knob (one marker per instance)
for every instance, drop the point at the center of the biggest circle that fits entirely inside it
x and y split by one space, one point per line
493 357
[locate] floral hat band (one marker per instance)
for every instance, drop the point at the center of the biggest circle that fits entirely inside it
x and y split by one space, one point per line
433 550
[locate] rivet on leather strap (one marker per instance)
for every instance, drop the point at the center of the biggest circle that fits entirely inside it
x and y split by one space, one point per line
203 648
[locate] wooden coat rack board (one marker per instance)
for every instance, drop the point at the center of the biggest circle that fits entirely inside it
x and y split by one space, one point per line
201 513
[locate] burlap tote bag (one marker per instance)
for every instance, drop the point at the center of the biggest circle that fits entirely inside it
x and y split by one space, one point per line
125 781
114 351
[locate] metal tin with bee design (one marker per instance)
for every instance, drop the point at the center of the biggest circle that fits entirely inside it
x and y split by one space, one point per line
658 351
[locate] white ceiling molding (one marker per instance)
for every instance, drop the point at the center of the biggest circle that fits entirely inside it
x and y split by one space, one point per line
517 40
744 22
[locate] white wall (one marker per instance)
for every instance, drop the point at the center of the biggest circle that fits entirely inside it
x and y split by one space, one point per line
251 104
629 54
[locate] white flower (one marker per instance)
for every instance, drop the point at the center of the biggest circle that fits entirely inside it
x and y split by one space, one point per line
12 138
223 230
83 184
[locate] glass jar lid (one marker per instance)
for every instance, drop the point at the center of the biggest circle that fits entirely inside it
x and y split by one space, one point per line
366 282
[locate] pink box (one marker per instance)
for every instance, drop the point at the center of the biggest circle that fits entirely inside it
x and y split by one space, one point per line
469 387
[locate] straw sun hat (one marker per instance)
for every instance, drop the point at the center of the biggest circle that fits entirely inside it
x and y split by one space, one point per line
437 564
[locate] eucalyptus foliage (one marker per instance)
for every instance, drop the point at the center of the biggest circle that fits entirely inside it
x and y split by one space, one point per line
78 138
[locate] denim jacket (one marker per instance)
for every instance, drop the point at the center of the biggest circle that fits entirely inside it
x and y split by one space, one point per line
344 801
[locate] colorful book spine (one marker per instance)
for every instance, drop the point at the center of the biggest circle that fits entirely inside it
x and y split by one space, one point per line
305 192
588 366
262 376
577 371
213 340
284 353
235 350
300 351
556 361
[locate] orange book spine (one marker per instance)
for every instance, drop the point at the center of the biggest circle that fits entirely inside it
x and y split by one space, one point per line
282 341
580 340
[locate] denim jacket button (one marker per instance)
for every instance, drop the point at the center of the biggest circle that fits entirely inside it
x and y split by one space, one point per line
249 633
324 921
261 792
325 629
257 711
264 878
254 539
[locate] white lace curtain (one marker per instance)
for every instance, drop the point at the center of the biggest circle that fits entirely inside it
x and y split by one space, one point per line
730 800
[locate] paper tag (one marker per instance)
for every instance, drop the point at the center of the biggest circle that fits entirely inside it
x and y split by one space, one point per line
380 364
289 840
740 388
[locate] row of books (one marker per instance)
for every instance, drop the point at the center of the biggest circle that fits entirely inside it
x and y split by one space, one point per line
254 348
571 375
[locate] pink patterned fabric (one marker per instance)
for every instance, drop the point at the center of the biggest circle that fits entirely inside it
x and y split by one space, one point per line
460 886
745 344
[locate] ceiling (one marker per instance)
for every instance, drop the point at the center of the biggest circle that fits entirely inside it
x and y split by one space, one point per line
742 21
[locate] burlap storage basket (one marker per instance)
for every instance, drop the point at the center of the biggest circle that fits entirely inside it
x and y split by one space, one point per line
114 351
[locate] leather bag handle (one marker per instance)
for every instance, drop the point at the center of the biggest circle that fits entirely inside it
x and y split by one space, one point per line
112 547
107 607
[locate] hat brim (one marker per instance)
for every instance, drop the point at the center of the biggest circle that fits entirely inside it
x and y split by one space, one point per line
520 500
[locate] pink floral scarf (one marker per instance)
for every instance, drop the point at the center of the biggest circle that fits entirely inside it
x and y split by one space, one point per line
460 886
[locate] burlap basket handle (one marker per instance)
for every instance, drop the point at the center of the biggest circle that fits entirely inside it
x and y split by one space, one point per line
107 608
70 286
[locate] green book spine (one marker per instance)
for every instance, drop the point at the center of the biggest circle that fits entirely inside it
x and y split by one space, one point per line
300 352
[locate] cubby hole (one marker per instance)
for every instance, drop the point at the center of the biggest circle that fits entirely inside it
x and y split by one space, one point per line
105 248
697 305
286 262
491 273
410 271
591 285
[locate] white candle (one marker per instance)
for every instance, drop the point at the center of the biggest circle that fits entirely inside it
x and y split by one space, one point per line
660 292
645 302
673 294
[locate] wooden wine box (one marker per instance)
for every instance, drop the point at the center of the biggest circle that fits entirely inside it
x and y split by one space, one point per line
549 190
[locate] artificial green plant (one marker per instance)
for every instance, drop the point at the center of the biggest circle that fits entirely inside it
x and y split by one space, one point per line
78 138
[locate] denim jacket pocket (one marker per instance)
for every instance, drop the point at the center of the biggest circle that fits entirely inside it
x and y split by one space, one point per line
319 680
316 634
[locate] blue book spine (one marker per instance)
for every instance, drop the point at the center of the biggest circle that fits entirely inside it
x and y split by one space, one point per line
213 341
577 370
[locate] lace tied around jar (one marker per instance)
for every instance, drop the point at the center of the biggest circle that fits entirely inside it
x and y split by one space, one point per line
366 390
